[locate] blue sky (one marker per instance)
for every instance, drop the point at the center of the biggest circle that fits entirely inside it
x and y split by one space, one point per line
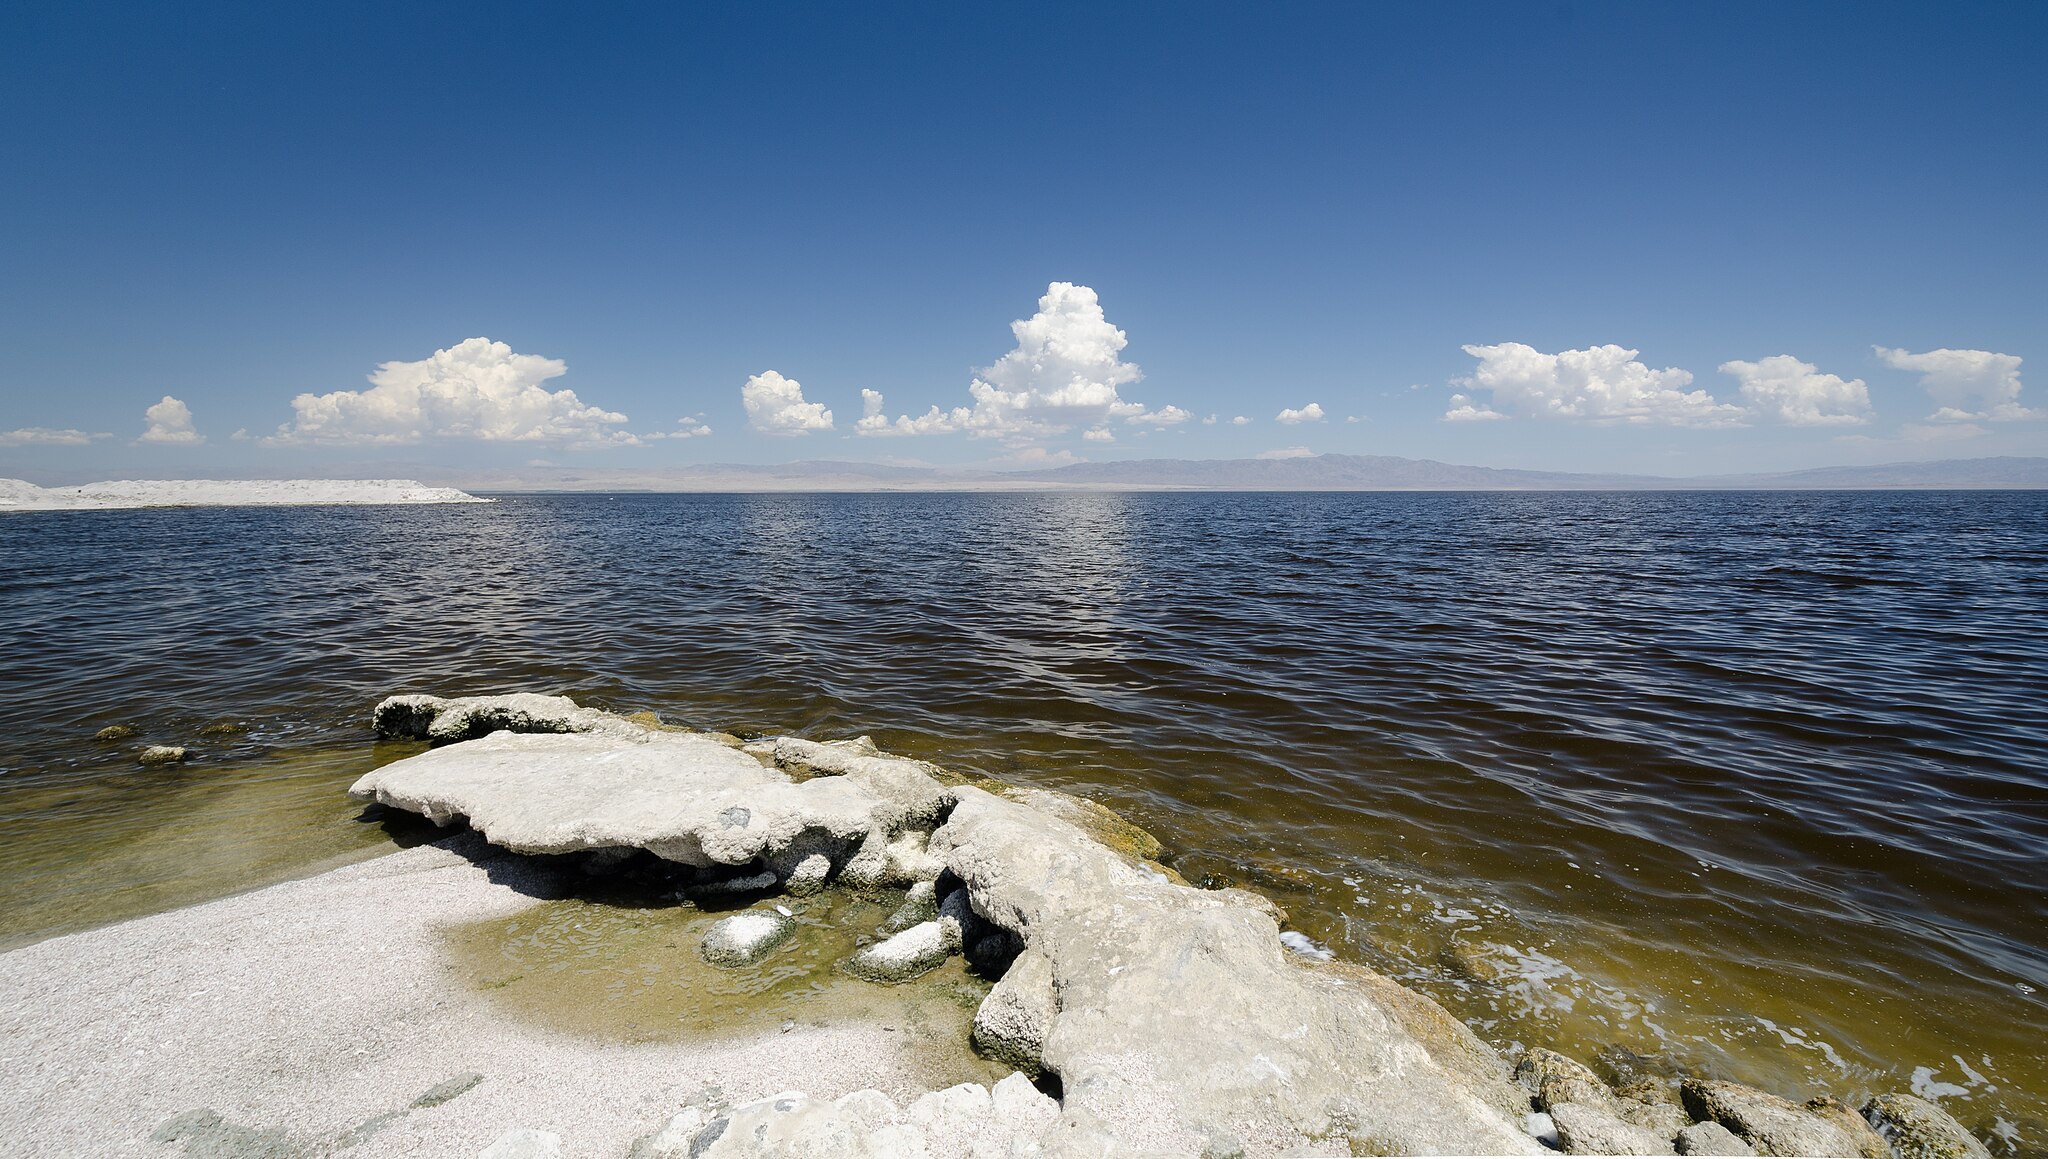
231 207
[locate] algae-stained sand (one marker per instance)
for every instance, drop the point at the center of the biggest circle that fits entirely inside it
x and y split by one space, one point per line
612 970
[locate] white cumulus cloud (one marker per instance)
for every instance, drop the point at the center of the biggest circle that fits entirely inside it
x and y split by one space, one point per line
1240 421
1312 413
47 437
1064 373
1967 384
775 406
687 427
476 389
1788 390
1464 410
170 422
1603 384
1099 435
1165 416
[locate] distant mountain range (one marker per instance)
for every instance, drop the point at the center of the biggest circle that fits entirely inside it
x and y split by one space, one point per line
1307 473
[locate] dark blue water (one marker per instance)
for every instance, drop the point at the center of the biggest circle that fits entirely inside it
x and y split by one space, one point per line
1752 784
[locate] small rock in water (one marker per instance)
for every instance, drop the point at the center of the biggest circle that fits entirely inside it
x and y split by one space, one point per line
522 1143
809 875
916 951
744 939
920 905
115 732
224 728
161 754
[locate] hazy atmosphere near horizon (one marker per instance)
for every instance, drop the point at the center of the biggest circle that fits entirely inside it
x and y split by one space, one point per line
1672 239
1048 581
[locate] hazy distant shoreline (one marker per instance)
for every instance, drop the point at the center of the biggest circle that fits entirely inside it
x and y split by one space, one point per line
1306 473
17 495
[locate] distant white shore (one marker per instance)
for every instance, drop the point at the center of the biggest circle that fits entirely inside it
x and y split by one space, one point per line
17 495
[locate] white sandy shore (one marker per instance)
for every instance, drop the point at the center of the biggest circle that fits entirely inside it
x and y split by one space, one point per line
311 1006
17 495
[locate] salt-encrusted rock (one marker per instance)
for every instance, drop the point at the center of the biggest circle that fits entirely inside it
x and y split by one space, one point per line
445 720
916 951
745 938
1917 1129
1710 1138
808 875
1772 1125
680 796
920 905
1556 1079
162 754
1583 1129
1011 1023
523 1143
115 732
1328 1053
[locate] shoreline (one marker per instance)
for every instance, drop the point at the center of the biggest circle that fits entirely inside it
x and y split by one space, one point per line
1132 1072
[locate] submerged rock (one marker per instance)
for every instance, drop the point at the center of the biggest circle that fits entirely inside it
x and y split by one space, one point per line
1917 1129
916 951
920 904
744 939
162 754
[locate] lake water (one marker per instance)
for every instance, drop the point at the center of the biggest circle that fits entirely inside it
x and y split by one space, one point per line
1746 784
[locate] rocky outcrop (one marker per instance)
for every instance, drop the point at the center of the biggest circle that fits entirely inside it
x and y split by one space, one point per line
1168 1017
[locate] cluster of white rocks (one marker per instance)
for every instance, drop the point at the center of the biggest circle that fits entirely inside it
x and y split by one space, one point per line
1171 1018
19 495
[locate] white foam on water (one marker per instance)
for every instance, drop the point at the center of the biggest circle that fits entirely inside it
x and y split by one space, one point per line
1306 946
